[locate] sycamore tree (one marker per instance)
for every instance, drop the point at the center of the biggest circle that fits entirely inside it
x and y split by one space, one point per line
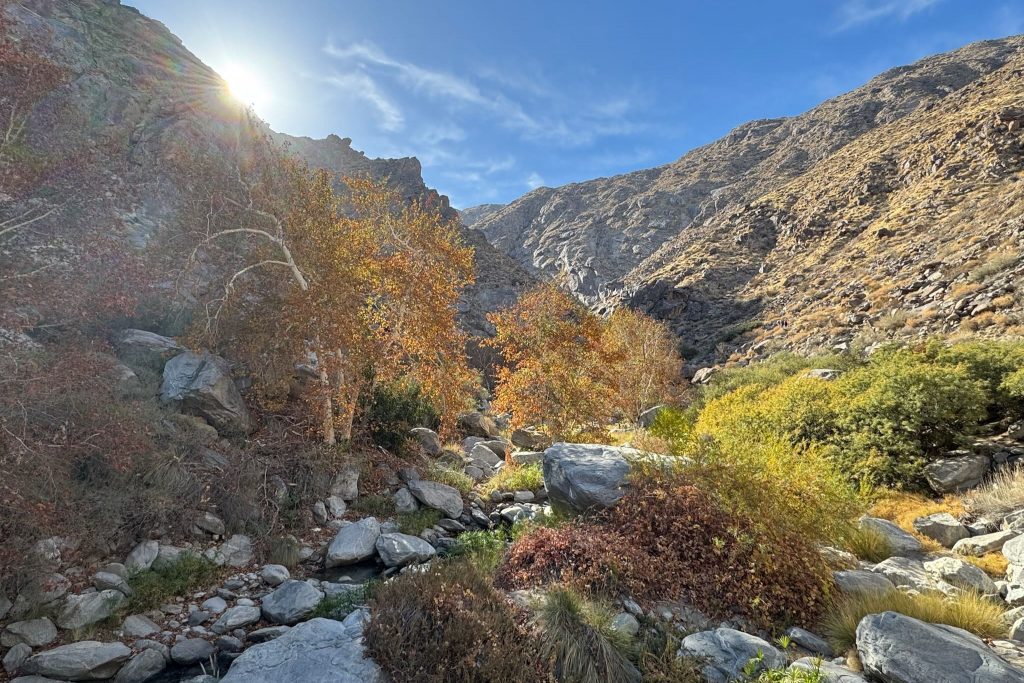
357 286
572 373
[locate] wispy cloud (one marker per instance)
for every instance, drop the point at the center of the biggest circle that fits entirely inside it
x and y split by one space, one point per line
533 181
853 13
362 86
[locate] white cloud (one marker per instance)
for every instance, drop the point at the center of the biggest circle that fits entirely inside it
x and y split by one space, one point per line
533 181
858 12
362 86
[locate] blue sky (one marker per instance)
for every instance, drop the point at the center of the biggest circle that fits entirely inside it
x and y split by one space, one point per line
496 98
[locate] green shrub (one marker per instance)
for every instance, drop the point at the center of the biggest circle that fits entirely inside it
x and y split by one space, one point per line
446 475
769 372
448 624
154 587
374 504
815 675
966 610
578 639
413 523
392 410
482 549
990 361
340 605
516 478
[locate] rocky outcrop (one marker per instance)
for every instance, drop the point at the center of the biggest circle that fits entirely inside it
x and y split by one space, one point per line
316 651
940 653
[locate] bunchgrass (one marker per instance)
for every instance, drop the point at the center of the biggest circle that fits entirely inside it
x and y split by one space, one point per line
577 637
516 478
1002 493
154 587
340 605
482 549
869 544
967 610
377 505
413 523
446 475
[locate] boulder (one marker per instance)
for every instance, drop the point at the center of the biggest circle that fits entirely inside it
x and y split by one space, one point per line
201 383
482 454
900 542
274 574
86 660
499 447
292 602
139 626
15 657
43 592
530 439
428 440
315 651
238 616
957 473
827 671
142 557
962 574
985 543
236 551
939 653
583 477
405 501
142 667
1013 550
346 484
146 347
191 651
905 572
31 632
478 424
214 605
210 523
108 581
354 542
943 528
809 641
861 581
399 550
726 652
438 496
90 608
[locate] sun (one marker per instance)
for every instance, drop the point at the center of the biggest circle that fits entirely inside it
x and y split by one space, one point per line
245 86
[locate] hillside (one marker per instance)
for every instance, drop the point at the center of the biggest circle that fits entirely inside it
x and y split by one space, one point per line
682 240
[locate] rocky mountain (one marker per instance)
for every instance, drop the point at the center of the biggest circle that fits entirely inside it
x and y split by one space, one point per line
907 186
130 101
475 214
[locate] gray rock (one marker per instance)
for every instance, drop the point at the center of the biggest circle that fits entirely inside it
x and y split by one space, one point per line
1013 550
908 573
147 347
43 593
201 383
405 501
1017 630
527 457
726 652
16 656
943 528
957 473
167 556
191 651
940 653
861 581
141 667
499 447
90 608
139 626
429 440
269 633
827 671
229 644
320 512
5 605
274 574
986 543
32 632
962 574
624 622
336 507
583 477
210 523
530 439
107 581
238 616
399 550
438 496
1014 595
215 605
901 542
292 602
809 641
86 660
481 454
236 551
354 542
147 644
316 651
478 424
142 557
346 484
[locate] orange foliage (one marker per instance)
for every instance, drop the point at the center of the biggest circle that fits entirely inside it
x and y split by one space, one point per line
648 367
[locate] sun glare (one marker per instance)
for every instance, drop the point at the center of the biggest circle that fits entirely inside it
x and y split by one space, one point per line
245 86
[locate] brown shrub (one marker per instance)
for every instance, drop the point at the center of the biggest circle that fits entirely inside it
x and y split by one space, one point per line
449 624
666 539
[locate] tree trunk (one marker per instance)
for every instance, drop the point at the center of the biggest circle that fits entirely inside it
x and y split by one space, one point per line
328 407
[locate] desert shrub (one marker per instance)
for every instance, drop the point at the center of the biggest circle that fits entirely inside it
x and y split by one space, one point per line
392 410
869 544
516 478
413 523
1012 387
155 587
446 475
1001 494
482 549
991 361
769 372
647 364
449 624
814 675
966 610
994 264
668 540
577 638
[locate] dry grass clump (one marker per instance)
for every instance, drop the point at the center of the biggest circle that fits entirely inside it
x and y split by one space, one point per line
968 611
516 478
1002 493
993 564
869 544
903 508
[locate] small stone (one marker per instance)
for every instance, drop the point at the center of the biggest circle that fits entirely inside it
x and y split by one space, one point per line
191 651
624 622
141 557
108 581
523 496
228 644
215 605
274 574
320 512
405 501
336 507
139 626
236 617
210 523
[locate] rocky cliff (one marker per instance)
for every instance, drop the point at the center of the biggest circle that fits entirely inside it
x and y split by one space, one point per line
704 242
